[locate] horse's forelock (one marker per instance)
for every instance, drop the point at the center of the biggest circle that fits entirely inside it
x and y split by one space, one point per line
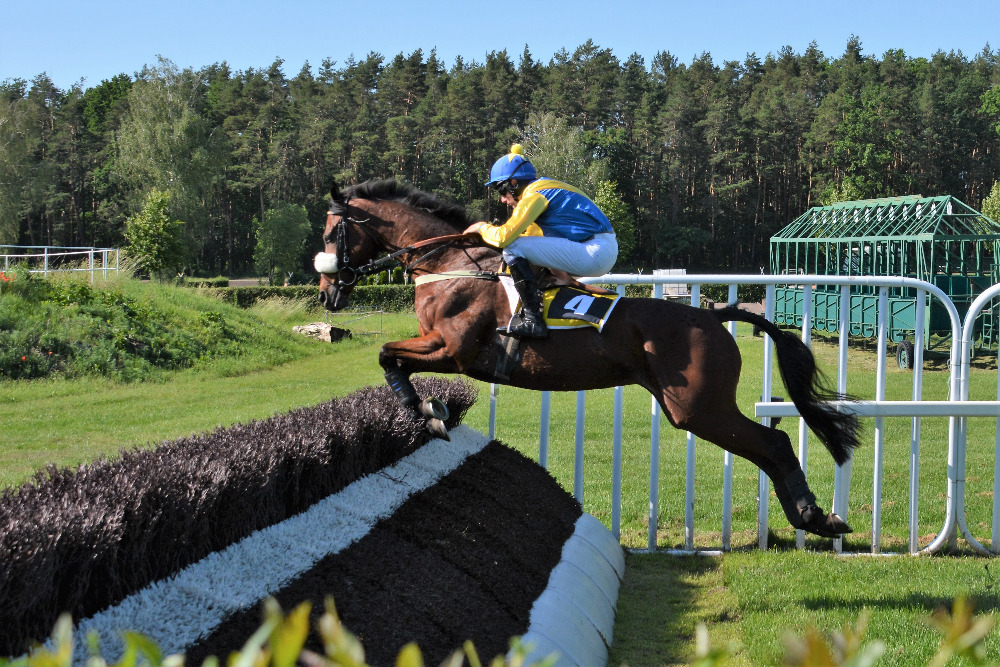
338 206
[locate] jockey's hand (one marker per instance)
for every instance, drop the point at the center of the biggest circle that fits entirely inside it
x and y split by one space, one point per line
474 228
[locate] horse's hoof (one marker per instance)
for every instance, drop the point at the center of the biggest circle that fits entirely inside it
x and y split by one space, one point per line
828 525
434 408
837 524
437 428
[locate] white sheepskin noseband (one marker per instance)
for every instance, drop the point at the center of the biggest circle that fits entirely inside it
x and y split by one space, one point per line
325 262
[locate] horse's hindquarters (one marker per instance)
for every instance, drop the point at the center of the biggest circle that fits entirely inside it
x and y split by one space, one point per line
657 344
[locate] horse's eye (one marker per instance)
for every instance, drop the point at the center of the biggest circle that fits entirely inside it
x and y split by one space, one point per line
328 238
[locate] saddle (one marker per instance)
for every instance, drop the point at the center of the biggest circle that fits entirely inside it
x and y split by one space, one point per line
550 278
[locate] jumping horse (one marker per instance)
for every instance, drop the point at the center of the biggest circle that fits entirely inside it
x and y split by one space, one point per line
682 355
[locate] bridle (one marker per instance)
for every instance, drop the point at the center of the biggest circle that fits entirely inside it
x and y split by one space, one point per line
347 275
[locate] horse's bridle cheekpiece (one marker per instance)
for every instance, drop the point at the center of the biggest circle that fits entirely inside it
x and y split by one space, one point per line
339 264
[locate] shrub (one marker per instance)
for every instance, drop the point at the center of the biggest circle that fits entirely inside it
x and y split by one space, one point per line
387 297
281 639
154 239
717 293
217 281
126 330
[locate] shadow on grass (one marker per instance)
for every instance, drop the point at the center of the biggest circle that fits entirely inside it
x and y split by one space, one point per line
660 604
983 602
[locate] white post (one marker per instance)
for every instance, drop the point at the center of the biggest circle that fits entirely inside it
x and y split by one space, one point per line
763 486
653 516
918 379
581 400
493 411
616 472
842 474
807 307
728 460
883 309
689 461
543 435
995 535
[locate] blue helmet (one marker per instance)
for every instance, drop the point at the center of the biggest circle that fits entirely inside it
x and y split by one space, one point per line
512 165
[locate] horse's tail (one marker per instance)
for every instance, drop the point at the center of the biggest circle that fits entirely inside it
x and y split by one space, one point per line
837 430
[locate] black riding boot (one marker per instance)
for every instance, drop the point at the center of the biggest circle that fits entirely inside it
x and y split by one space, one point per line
528 323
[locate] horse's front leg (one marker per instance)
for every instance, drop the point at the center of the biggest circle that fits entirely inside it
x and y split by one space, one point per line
400 359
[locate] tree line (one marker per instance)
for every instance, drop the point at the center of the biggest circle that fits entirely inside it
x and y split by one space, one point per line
700 163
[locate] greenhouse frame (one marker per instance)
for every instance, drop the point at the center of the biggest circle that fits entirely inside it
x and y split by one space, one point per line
940 240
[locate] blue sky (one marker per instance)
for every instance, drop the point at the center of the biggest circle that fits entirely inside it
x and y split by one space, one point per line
95 40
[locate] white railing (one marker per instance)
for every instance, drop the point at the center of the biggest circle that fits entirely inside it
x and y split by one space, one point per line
50 259
957 408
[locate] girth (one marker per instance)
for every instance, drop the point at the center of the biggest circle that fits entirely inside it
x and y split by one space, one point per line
451 275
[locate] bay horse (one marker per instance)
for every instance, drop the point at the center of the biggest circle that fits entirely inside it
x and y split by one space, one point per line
682 355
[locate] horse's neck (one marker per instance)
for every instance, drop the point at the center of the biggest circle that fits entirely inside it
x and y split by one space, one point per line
404 232
392 223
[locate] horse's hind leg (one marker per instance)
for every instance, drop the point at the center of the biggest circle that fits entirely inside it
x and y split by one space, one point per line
771 451
698 394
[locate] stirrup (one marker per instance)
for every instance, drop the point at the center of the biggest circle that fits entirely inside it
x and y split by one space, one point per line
521 327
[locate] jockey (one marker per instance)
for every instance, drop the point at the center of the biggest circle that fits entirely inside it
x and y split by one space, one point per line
553 225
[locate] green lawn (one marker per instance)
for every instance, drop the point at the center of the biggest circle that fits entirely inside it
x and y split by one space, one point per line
748 598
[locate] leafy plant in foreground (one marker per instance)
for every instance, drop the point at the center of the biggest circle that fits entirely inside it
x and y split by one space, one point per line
278 642
964 636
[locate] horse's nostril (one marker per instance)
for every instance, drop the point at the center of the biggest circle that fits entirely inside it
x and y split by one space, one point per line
323 297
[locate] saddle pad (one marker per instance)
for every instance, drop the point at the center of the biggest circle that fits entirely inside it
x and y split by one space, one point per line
570 308
566 307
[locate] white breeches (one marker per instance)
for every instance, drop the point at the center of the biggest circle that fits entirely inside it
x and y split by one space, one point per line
577 258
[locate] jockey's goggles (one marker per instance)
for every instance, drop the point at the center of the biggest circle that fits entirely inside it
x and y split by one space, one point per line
503 187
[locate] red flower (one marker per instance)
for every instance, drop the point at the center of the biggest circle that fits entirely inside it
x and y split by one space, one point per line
24 358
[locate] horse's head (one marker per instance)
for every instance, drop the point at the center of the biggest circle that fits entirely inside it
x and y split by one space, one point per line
376 216
348 244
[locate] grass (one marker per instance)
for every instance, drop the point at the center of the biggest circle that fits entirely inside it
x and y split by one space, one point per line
68 422
748 597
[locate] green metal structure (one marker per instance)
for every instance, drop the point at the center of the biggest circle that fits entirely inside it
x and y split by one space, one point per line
936 239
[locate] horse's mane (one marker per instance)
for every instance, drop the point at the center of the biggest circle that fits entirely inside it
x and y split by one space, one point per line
390 189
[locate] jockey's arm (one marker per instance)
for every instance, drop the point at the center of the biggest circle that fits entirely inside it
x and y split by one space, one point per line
521 222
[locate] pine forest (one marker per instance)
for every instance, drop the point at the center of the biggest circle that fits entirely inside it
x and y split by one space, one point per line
697 163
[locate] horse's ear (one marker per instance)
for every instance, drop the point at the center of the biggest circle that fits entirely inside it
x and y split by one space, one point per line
335 192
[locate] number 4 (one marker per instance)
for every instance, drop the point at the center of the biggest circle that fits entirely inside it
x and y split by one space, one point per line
580 304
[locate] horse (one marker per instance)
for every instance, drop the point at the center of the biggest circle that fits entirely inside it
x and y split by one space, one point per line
683 355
